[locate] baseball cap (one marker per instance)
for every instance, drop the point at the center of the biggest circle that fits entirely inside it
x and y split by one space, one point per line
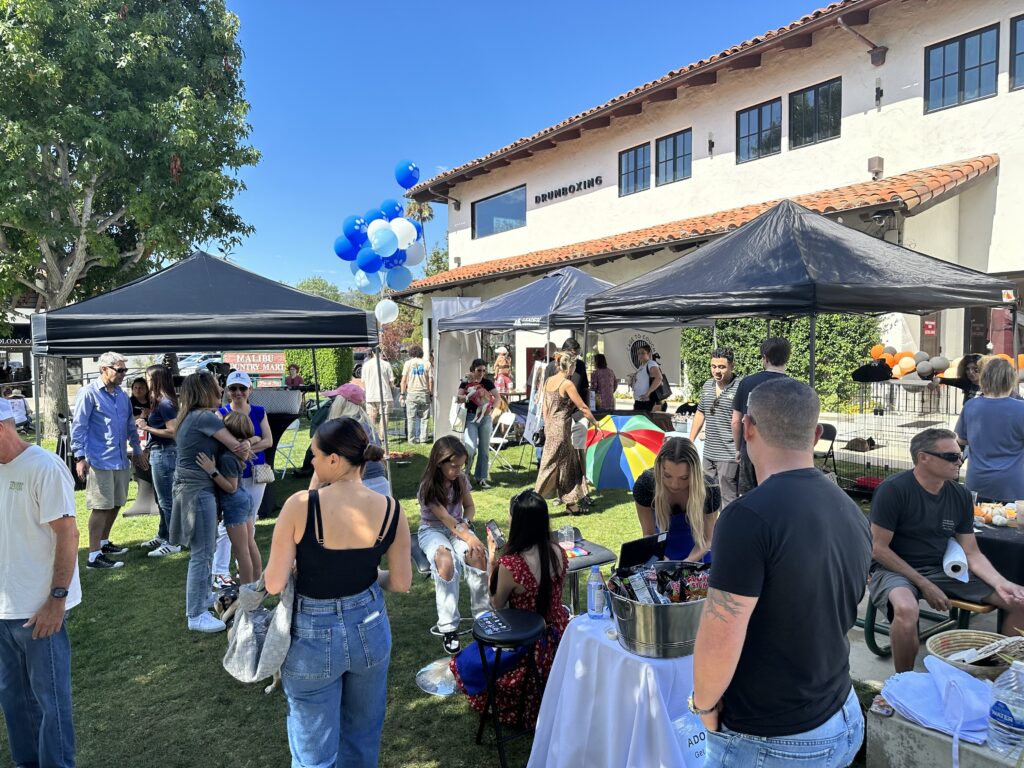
502 350
5 410
239 377
351 392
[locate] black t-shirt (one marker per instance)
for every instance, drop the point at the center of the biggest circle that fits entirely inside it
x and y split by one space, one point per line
739 401
579 377
922 524
802 547
471 406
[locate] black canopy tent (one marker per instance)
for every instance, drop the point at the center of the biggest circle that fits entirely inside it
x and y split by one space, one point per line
792 261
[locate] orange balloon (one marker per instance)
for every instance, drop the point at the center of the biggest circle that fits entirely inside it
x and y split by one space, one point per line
877 351
903 355
1005 357
890 359
1020 361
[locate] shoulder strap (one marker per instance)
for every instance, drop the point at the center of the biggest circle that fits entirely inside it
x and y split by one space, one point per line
318 522
385 524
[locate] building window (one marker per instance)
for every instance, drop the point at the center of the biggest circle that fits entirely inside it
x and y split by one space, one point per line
962 69
815 113
635 170
759 131
674 155
1017 52
500 213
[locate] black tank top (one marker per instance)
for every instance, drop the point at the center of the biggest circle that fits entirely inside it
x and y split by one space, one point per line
328 574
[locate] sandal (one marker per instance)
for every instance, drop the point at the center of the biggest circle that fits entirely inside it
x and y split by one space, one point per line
451 643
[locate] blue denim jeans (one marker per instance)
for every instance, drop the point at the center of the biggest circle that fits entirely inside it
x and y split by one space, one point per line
335 677
35 695
477 438
162 459
200 556
833 744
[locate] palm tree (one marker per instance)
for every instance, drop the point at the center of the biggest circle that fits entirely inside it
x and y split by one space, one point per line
421 212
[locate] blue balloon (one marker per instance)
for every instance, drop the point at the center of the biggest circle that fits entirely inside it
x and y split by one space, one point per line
398 279
392 209
368 260
396 259
407 174
354 228
419 228
367 283
384 242
373 214
344 249
354 266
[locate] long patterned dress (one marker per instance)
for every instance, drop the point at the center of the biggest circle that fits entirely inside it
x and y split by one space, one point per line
518 696
561 471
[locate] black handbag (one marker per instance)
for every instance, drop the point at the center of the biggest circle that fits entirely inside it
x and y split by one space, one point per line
539 438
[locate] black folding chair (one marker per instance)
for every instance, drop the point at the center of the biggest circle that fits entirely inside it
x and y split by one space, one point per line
828 432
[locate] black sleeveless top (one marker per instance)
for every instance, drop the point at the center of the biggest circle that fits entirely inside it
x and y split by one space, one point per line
328 574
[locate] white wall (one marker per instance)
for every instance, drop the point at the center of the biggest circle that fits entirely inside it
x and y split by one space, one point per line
899 132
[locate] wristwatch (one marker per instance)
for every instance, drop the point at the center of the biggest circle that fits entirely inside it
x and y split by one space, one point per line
59 593
699 712
214 474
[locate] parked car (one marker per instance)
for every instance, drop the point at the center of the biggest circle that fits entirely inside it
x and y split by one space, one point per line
198 363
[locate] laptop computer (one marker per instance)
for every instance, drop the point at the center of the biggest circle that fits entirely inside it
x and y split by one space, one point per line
642 551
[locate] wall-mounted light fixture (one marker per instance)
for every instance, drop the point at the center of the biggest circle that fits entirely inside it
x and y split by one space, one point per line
711 144
879 93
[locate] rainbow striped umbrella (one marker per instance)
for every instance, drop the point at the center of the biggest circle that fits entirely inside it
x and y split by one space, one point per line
619 448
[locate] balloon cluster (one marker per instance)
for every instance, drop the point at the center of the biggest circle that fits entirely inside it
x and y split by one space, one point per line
921 364
382 244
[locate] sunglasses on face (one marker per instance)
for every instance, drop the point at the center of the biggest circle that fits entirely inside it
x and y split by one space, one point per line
117 370
952 457
237 388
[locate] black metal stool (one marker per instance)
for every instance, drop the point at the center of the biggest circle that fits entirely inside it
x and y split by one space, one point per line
506 629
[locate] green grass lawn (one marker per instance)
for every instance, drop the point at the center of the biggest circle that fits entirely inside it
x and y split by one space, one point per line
147 692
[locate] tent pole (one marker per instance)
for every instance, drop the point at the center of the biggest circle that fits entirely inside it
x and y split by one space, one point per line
1014 345
36 379
383 410
768 328
316 380
810 374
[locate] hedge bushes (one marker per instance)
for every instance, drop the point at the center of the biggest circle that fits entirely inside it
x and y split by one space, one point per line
334 366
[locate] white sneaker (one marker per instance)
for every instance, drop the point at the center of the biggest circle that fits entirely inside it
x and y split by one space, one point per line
164 549
156 541
206 622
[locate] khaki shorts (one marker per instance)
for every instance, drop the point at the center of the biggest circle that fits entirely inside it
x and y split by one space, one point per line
107 488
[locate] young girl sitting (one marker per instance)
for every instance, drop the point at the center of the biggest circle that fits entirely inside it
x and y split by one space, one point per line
234 501
447 540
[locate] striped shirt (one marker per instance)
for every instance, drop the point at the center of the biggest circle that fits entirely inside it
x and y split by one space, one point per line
717 410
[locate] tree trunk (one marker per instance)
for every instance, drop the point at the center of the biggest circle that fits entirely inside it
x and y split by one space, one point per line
54 373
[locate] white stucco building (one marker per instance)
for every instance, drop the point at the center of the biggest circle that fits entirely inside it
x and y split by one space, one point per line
902 118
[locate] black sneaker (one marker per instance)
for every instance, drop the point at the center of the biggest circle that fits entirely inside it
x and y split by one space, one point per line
110 548
451 643
102 563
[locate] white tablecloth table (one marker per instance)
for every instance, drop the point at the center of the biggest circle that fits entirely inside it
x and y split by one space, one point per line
604 706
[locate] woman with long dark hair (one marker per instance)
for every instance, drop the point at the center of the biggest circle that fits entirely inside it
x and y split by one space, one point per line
336 672
480 396
163 453
528 576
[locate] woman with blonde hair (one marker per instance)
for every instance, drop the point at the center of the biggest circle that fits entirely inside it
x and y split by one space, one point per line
561 471
674 496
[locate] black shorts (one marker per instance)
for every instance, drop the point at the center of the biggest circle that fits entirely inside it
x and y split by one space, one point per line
884 581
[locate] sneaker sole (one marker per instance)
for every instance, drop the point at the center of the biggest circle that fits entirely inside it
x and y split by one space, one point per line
157 553
92 567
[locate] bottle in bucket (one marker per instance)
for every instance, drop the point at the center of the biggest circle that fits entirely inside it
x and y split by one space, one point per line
1006 717
595 593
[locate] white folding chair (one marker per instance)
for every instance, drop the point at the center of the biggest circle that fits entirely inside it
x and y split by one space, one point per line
286 446
499 437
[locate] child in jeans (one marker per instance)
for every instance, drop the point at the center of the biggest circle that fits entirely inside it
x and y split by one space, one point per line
234 501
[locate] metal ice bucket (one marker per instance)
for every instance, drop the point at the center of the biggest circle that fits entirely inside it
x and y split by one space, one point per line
656 631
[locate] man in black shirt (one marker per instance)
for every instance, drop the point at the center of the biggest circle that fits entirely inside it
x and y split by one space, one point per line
775 352
794 549
913 517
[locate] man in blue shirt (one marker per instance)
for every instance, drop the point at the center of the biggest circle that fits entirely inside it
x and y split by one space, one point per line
102 424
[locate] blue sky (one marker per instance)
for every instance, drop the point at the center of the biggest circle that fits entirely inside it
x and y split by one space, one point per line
341 91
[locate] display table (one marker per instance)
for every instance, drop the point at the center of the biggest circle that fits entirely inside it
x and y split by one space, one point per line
604 706
1004 547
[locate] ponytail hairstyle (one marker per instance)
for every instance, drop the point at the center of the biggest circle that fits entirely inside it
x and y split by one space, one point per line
531 527
566 362
679 450
434 488
346 438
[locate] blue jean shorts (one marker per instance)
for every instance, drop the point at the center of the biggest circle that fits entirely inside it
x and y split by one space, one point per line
237 507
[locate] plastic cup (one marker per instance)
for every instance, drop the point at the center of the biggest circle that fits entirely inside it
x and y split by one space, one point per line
974 497
566 537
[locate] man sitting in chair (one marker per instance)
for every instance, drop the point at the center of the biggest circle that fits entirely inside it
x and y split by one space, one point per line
913 516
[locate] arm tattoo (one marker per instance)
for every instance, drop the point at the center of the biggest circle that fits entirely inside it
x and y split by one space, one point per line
721 605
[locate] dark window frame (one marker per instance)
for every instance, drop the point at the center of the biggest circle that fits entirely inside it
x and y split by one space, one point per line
491 197
674 160
817 102
1016 75
760 130
635 173
959 40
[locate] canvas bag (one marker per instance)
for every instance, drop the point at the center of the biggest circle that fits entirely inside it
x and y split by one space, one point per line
259 639
457 415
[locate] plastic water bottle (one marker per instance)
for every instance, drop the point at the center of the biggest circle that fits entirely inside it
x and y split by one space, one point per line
595 593
1006 716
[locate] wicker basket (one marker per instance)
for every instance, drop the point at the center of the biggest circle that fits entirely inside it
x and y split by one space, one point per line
947 643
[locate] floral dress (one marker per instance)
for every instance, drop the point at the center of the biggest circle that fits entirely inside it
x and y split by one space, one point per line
518 695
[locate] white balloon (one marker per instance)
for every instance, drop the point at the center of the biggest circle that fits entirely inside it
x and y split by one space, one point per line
415 254
405 231
375 226
386 311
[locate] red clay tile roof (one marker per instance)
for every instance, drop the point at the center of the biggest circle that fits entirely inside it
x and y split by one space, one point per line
773 38
907 190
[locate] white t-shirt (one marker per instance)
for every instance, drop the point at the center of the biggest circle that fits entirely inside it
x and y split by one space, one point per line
415 373
35 489
643 378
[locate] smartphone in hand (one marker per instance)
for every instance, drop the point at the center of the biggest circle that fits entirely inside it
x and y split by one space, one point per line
499 539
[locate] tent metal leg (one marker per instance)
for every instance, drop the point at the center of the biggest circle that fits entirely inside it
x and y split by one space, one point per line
36 380
810 373
316 380
714 334
383 410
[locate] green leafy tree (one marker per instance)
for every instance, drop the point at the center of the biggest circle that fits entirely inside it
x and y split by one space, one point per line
842 345
319 286
122 128
437 260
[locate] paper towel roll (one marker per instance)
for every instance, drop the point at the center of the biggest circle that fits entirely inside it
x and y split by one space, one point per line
954 562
